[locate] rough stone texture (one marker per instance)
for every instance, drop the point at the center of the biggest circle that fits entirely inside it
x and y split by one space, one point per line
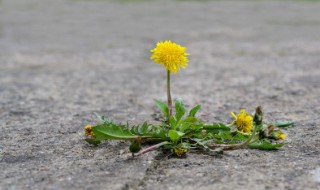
62 60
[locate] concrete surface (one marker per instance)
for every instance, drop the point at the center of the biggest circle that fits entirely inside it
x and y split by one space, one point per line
62 60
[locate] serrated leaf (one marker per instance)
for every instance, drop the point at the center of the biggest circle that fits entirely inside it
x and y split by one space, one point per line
102 118
115 132
215 128
175 135
163 107
180 109
149 130
224 136
283 124
144 128
94 142
265 145
230 137
135 129
240 136
159 132
194 110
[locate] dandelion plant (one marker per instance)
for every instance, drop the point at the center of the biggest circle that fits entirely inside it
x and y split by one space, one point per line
182 131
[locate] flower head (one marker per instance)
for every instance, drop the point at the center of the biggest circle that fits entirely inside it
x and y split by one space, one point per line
88 131
243 121
171 55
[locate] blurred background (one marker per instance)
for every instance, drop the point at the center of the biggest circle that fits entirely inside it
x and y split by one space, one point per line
62 60
103 42
88 26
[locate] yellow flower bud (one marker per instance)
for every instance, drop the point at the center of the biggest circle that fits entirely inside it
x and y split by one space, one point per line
88 131
179 151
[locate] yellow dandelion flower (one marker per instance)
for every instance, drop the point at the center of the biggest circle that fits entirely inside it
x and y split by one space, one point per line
88 131
179 151
243 121
171 55
282 136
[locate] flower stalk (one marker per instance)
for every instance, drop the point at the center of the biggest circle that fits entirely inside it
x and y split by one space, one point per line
169 94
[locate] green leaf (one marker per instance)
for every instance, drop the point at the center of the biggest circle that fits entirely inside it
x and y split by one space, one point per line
173 122
215 128
175 135
224 136
94 142
188 120
184 127
240 136
143 129
194 110
265 145
163 107
158 132
283 124
180 109
115 132
230 137
102 118
188 123
149 130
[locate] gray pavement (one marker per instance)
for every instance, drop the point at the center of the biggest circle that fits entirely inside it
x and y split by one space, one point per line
62 60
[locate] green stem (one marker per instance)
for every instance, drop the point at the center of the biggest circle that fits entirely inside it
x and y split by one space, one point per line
169 94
